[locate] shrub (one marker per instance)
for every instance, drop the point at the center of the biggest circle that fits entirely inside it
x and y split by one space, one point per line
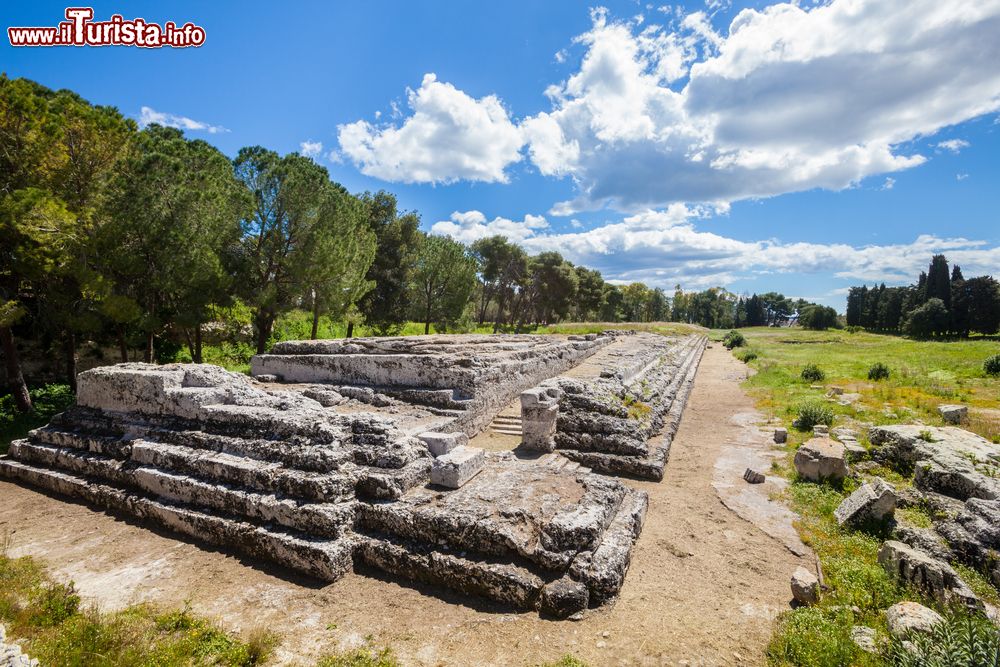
746 356
813 373
812 413
852 328
963 639
878 371
734 339
930 319
992 365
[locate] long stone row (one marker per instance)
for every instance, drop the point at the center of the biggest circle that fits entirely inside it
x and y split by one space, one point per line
277 476
607 422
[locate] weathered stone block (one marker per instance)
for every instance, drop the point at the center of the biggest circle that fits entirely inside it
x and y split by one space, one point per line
457 466
753 477
821 430
872 500
539 415
906 617
564 597
781 435
935 577
821 458
805 586
954 414
440 444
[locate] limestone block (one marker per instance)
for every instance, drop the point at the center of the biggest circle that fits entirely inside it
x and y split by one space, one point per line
925 572
564 597
805 586
821 429
440 444
781 435
753 477
872 500
457 467
539 414
954 414
821 458
906 617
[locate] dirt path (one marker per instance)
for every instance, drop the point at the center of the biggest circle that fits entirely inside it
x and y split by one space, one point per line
703 588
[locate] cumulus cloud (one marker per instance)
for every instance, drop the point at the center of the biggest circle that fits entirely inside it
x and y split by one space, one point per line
311 148
787 98
953 145
471 226
665 247
148 116
448 137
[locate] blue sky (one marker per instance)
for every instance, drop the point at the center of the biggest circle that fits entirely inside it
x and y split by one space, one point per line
758 146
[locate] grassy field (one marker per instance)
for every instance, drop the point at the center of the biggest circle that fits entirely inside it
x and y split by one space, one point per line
922 375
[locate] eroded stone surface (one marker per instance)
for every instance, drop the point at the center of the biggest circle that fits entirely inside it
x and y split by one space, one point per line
936 577
873 500
805 586
821 458
906 617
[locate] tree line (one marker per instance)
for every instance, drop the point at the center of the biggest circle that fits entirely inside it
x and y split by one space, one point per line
139 239
941 303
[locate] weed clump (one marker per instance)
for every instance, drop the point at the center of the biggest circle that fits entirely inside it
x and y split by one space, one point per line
992 365
878 371
813 373
812 413
966 639
745 355
734 339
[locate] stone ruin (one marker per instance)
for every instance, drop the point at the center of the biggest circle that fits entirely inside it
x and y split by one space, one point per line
357 453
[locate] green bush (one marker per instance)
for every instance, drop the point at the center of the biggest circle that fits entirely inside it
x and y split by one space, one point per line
813 373
734 339
878 371
853 329
992 365
812 413
47 401
746 356
963 640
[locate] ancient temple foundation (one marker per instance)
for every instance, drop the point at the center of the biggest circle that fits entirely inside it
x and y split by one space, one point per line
358 453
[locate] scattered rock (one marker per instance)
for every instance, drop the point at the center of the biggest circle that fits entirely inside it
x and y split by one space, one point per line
925 572
805 586
821 429
266 377
849 399
780 435
753 477
564 598
873 500
10 654
821 458
854 451
835 391
906 617
954 414
440 444
946 460
924 539
865 637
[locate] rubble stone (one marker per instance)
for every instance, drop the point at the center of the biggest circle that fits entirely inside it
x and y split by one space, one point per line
935 577
873 500
805 586
781 435
906 617
954 414
753 477
440 444
564 597
819 459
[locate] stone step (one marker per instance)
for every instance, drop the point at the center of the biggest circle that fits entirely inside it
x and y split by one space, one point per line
251 473
390 483
504 419
457 467
507 431
118 447
326 519
322 558
498 580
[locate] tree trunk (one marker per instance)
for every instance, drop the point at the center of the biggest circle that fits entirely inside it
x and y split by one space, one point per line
264 325
15 378
427 317
122 345
350 330
71 360
150 339
315 328
190 343
197 344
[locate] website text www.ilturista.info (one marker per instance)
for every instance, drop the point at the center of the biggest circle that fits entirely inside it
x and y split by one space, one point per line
79 29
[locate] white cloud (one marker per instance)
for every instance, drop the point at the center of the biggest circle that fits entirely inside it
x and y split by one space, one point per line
148 116
311 148
449 136
889 183
789 98
961 176
472 225
953 145
665 247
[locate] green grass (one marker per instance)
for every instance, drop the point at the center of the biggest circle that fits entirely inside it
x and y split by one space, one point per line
924 374
53 626
366 656
47 401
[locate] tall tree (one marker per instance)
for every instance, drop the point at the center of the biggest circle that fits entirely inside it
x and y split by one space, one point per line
939 281
443 278
385 306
